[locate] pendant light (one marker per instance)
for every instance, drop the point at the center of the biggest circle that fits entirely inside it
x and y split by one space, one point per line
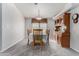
38 17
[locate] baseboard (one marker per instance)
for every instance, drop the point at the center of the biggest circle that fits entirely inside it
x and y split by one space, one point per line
11 45
75 50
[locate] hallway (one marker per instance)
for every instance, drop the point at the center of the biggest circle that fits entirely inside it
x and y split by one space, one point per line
21 49
39 24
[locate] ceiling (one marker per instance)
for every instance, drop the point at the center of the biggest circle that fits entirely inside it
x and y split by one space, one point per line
44 9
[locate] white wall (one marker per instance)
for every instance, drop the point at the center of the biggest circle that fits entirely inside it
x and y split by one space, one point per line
0 26
51 27
74 29
28 25
12 25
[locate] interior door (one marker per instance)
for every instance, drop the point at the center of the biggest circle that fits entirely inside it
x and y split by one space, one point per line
65 39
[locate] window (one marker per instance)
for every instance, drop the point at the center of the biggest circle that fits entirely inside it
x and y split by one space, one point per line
35 25
43 25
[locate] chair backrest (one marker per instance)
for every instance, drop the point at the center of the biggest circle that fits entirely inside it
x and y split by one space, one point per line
37 34
37 31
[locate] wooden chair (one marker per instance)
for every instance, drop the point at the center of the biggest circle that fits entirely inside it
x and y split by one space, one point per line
37 37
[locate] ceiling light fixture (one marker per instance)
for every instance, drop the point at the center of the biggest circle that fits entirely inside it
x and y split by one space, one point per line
35 3
38 17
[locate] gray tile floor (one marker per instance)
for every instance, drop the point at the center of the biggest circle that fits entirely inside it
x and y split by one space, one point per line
21 49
